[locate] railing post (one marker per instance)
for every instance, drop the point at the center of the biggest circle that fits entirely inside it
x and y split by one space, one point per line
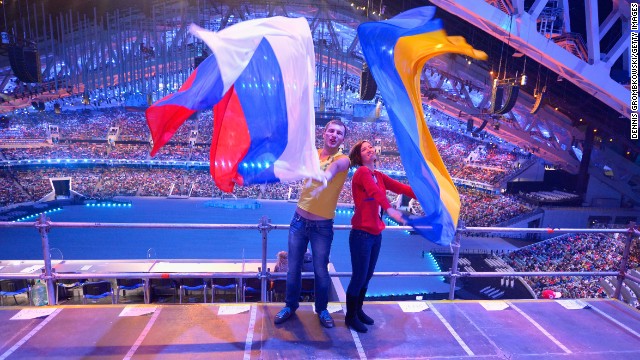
264 226
624 261
43 225
454 273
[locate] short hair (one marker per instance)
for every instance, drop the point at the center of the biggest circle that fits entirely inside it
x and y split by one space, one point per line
337 122
355 156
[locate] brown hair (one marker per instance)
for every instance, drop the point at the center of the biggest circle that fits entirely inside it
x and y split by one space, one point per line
355 155
337 122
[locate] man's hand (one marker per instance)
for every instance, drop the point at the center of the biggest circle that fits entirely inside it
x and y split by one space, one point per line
316 192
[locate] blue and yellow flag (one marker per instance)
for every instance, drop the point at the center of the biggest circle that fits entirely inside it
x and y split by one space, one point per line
396 51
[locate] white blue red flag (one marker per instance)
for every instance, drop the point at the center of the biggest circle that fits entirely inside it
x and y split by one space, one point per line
396 51
260 78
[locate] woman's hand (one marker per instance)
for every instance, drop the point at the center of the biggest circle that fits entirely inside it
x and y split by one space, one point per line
396 215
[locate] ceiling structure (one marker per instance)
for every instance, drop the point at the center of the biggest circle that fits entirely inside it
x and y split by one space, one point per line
535 39
529 37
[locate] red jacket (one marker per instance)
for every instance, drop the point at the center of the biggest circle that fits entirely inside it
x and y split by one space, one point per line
369 197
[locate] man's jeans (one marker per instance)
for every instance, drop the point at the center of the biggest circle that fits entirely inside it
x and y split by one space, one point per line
320 234
364 248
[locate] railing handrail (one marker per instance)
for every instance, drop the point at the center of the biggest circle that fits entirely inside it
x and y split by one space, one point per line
56 224
44 224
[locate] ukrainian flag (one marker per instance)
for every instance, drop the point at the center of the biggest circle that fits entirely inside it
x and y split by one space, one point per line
396 51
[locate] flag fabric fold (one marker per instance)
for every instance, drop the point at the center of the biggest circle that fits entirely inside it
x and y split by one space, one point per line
396 51
260 79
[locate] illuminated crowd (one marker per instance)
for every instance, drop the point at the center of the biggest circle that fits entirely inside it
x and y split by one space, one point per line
84 135
573 252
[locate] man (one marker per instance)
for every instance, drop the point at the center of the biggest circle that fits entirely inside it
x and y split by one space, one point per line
313 223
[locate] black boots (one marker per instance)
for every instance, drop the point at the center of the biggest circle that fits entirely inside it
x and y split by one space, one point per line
351 318
364 318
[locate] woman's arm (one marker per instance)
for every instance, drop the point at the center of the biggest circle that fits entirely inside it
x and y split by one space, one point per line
371 188
397 187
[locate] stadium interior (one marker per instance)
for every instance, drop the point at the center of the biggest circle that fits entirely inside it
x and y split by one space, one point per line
539 136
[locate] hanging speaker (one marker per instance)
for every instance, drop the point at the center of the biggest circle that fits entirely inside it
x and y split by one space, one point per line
368 86
512 97
539 97
499 90
25 64
496 97
477 131
469 125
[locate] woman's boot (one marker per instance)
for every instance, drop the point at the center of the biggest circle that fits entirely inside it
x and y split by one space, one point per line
351 318
364 318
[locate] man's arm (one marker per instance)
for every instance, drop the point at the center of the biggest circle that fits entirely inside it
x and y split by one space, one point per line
335 167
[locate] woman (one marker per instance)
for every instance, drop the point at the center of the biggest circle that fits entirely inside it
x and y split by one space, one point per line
369 188
282 265
282 262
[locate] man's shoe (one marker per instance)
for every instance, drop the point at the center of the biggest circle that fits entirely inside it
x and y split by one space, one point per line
325 319
283 315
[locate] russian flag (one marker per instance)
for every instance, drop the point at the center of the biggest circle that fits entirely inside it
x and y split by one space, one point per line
396 51
260 79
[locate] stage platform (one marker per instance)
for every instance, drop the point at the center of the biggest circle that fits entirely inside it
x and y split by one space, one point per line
516 329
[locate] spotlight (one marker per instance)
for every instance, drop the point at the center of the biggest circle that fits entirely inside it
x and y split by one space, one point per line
523 80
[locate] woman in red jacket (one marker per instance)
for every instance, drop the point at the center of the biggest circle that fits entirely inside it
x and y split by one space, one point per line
369 188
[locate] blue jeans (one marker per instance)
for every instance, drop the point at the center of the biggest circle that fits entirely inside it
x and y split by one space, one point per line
320 234
364 248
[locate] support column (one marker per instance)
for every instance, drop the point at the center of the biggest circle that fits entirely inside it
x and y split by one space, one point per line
43 225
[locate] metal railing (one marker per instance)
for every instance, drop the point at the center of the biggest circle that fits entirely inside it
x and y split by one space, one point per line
44 225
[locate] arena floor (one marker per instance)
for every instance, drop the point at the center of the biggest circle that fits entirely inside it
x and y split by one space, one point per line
520 329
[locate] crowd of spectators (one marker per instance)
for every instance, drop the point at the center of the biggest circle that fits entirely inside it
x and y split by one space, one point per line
573 252
81 129
477 173
480 208
10 191
107 181
35 181
83 135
